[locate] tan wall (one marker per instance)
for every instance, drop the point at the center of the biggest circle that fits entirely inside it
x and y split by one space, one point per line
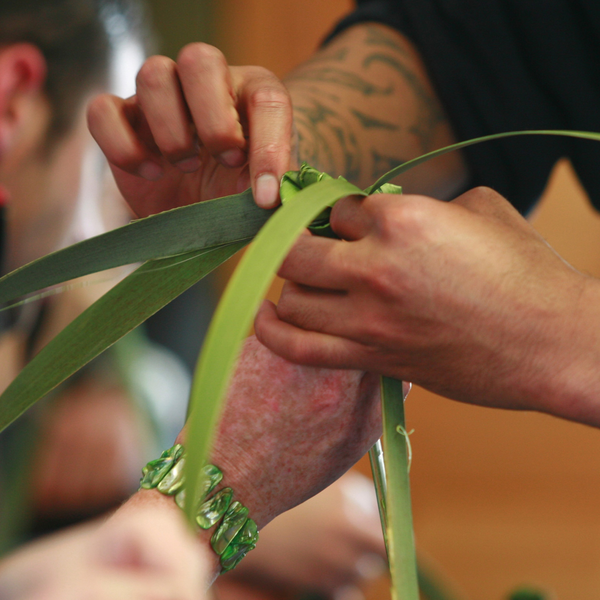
499 498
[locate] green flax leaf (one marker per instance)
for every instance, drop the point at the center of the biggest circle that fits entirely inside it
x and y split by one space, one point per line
178 231
415 162
119 311
400 538
235 313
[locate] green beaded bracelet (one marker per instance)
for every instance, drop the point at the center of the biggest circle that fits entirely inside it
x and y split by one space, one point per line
236 534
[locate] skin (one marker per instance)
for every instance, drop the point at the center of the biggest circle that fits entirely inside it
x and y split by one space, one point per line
41 182
150 555
461 297
343 399
385 301
284 438
197 108
464 298
330 541
41 179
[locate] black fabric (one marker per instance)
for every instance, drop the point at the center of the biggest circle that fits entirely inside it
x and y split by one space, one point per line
503 65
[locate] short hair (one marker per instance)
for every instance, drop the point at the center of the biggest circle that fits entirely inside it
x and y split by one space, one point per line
76 38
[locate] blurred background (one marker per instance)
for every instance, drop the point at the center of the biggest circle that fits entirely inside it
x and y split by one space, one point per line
500 499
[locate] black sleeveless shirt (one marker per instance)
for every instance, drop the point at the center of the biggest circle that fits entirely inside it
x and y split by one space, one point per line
503 65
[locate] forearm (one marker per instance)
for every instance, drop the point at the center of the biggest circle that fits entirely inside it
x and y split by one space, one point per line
364 104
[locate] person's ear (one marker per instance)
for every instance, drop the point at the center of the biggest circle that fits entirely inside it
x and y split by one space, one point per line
22 75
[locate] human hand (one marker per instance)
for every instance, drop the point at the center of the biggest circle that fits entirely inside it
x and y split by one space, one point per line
196 129
463 298
150 554
287 431
329 542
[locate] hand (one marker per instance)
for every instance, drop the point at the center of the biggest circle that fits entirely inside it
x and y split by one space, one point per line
331 541
195 130
148 555
287 431
463 298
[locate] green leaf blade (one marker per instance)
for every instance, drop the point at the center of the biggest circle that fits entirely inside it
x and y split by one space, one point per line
235 314
400 536
115 314
415 162
170 233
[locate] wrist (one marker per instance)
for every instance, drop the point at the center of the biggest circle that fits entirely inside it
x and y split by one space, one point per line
237 475
567 372
217 509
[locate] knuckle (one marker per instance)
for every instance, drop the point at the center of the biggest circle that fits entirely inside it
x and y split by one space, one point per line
257 73
269 152
271 98
483 190
126 160
381 279
218 136
175 149
155 72
478 196
395 217
199 56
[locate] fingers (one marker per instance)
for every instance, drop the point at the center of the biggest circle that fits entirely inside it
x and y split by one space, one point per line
199 101
317 262
316 310
209 92
268 107
305 347
117 126
161 99
350 220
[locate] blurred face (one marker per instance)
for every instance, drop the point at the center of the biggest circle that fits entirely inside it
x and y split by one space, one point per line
55 190
43 185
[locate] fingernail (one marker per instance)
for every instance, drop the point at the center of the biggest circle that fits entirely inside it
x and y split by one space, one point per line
188 165
150 170
267 191
232 158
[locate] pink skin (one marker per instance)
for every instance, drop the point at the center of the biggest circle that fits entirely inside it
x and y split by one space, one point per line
286 433
149 554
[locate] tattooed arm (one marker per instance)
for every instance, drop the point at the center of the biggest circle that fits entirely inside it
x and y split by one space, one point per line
364 104
198 128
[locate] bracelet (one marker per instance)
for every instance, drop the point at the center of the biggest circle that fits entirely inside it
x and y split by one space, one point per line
236 534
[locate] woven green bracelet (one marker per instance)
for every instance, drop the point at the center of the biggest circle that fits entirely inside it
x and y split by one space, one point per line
236 534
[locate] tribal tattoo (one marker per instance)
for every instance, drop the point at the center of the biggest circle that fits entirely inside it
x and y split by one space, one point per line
350 105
